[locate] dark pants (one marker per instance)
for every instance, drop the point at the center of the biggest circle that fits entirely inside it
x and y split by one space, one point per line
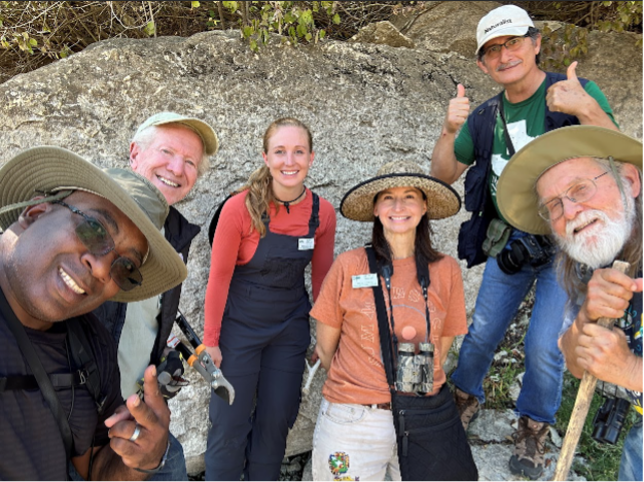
174 468
263 358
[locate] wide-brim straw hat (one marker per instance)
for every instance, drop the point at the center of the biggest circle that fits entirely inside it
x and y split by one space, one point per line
516 189
442 200
49 169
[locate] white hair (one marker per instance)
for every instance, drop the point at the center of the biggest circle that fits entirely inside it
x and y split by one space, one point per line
144 138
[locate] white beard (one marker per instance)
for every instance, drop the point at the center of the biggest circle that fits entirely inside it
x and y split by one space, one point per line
606 239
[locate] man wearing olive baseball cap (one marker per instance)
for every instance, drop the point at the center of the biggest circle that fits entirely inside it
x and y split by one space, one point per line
172 151
73 237
583 184
530 103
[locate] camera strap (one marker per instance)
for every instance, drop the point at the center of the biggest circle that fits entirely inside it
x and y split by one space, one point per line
506 135
389 341
383 324
422 272
38 370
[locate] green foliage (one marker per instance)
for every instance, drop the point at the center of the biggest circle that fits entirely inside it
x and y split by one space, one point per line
625 15
294 20
562 46
35 33
150 28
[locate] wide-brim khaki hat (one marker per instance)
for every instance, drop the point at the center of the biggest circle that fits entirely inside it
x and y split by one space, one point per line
201 128
516 189
49 169
442 200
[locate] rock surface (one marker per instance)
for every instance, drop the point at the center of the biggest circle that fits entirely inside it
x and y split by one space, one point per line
383 33
366 104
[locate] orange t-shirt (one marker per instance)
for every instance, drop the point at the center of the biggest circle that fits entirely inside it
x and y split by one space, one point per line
357 374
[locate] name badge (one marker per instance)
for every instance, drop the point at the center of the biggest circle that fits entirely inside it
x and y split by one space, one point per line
305 244
364 280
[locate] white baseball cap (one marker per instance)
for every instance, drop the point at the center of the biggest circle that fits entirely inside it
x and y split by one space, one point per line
502 21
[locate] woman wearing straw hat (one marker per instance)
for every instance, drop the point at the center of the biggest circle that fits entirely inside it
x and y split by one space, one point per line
256 314
355 437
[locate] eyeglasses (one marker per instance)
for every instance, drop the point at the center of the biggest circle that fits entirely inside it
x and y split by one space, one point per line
99 242
494 51
577 193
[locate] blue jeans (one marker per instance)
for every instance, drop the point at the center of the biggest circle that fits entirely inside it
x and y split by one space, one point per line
630 467
496 305
174 468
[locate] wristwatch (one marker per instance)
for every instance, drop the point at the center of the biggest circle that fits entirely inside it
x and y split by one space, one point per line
164 459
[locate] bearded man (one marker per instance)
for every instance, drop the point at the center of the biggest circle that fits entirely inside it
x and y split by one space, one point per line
583 184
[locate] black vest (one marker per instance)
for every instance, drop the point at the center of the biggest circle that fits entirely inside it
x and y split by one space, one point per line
478 200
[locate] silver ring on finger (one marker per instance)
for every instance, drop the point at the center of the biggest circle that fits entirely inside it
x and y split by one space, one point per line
137 432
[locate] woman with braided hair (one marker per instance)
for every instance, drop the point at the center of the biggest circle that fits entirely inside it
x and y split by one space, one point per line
256 313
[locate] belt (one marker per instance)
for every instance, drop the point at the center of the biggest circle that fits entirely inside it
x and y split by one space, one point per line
379 406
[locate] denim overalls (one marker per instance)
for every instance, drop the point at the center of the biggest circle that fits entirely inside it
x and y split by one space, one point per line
264 338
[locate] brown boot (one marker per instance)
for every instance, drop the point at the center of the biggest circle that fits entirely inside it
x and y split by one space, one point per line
468 407
529 446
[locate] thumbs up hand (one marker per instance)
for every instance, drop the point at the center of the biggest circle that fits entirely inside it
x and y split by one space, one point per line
457 111
571 73
568 96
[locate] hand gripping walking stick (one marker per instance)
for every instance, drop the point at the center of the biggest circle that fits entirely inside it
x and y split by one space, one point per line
582 405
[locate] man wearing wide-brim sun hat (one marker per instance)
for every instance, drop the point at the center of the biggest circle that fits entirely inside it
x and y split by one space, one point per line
583 184
399 201
73 237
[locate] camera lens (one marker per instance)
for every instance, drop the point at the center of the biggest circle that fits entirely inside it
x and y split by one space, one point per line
511 260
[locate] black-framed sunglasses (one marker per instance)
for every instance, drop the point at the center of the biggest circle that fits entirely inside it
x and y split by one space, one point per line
99 242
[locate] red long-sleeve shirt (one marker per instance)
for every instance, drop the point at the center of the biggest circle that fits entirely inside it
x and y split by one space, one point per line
235 243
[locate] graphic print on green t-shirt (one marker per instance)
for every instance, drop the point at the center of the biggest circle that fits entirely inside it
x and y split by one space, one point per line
525 122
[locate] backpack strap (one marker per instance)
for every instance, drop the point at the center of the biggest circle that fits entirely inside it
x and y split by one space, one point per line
46 387
215 219
314 220
28 382
85 362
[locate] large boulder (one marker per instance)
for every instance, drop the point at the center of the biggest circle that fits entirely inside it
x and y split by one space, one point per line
366 104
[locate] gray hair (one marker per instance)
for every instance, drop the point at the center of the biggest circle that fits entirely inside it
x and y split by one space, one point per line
145 137
632 250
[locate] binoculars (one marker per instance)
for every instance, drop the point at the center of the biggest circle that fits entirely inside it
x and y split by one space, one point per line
609 420
415 371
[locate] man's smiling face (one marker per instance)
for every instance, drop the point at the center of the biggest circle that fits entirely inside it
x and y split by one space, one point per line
49 274
170 160
592 231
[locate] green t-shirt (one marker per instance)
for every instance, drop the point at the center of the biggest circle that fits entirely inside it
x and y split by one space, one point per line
525 121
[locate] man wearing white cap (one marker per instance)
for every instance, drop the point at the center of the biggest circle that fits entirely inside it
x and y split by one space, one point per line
171 151
583 184
532 102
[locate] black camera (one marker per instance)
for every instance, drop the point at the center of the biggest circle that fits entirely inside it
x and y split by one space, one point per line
609 420
530 249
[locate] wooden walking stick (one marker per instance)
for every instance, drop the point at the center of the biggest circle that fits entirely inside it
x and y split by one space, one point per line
582 405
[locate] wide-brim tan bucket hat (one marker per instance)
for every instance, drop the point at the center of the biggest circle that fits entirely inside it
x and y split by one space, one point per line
49 169
442 200
516 189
